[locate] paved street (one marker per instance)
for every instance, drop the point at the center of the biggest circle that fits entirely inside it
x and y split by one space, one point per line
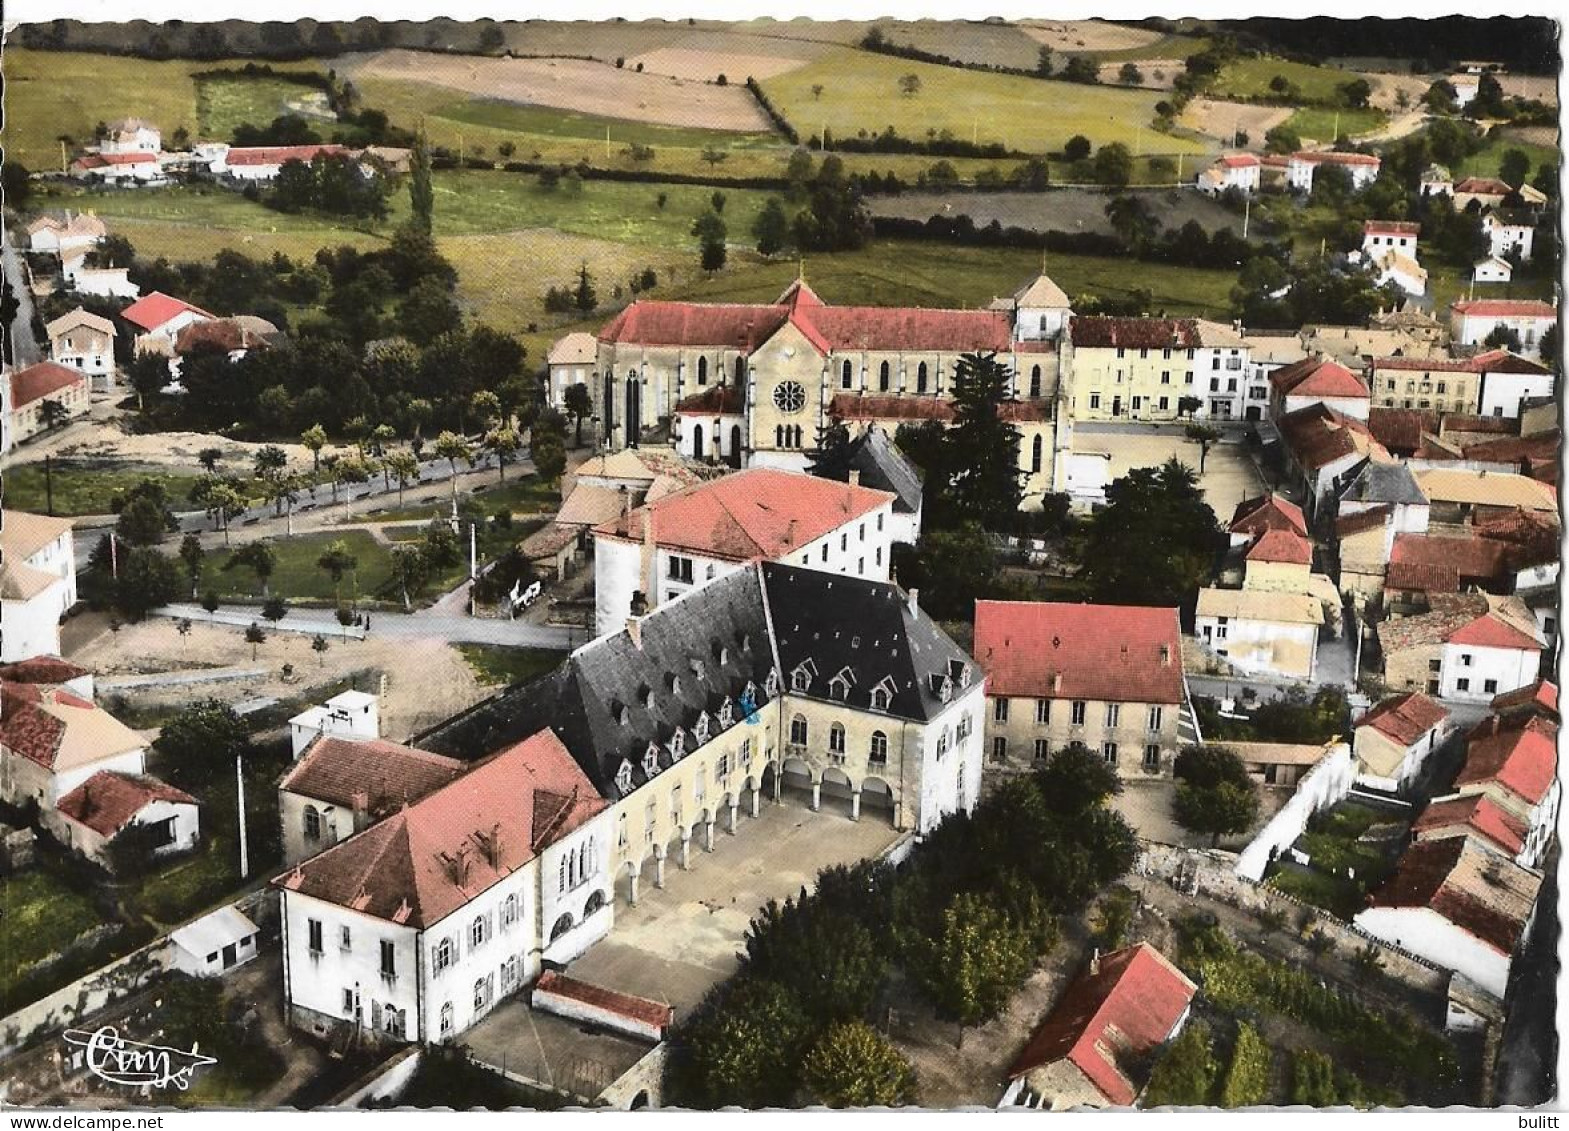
440 622
23 343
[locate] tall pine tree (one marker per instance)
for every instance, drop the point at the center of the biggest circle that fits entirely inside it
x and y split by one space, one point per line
422 196
835 449
982 447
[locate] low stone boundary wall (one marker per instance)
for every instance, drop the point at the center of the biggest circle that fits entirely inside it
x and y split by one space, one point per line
618 1012
385 1081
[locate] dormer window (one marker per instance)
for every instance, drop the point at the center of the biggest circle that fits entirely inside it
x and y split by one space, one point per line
698 668
700 729
726 715
645 696
618 711
678 743
624 778
673 684
801 677
749 698
771 684
959 672
942 686
839 686
651 760
882 694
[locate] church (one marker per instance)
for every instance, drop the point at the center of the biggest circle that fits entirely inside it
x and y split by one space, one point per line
750 385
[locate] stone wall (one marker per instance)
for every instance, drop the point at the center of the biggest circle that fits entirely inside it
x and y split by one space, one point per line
1328 780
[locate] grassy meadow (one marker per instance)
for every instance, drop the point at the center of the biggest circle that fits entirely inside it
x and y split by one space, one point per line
1250 78
1321 123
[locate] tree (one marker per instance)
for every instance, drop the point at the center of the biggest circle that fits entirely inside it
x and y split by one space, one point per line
1204 435
1514 167
1185 1075
1282 139
1355 93
1214 793
411 569
910 85
982 445
422 193
208 458
315 439
1114 165
831 458
274 609
210 601
1081 68
452 447
952 568
1130 75
220 499
852 1065
1155 540
579 403
1502 337
1441 98
486 407
198 746
147 580
505 443
742 1046
1077 148
271 463
428 311
260 558
255 636
147 374
584 297
1076 780
975 963
709 228
145 517
771 229
192 554
826 956
549 453
51 414
319 645
336 561
403 467
15 185
1133 221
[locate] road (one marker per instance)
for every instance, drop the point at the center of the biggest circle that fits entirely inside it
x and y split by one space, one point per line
23 343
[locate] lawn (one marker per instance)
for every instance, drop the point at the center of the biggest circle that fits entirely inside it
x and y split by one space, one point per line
1484 162
84 488
500 665
1342 867
519 495
552 122
861 95
1250 78
223 104
1321 123
297 576
193 882
1446 284
39 917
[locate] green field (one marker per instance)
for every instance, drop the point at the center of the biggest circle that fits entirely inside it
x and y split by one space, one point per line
222 104
502 666
546 121
39 917
1249 78
297 576
861 95
1321 123
1484 162
84 489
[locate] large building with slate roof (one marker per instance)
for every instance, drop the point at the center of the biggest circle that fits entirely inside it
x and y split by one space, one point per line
768 679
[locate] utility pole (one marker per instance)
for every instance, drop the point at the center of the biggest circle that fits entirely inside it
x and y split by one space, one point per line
49 485
1247 211
607 143
114 557
239 785
1337 125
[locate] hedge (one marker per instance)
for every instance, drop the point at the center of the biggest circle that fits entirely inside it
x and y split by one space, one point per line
1247 1076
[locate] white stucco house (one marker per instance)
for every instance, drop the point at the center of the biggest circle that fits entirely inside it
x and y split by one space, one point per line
120 169
106 806
1508 234
1385 235
1260 631
105 282
571 361
157 319
1363 168
85 341
215 944
1472 320
132 135
37 583
1230 170
415 928
349 714
52 740
1492 270
1393 740
67 231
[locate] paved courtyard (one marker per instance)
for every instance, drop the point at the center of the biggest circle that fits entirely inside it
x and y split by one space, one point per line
1229 473
679 941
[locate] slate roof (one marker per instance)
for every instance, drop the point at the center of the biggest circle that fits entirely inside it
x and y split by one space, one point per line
108 801
1058 650
1110 1019
40 380
433 857
1405 718
884 468
387 775
615 698
1376 482
1478 891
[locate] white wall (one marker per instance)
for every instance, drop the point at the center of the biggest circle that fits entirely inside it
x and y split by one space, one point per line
62 783
1249 644
617 574
1511 668
1490 272
317 982
1429 935
1474 328
32 628
1327 782
593 844
952 782
1356 407
1505 238
1503 392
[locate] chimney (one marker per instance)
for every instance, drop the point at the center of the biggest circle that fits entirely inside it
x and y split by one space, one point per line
1095 962
1056 683
790 533
855 477
646 572
635 629
361 803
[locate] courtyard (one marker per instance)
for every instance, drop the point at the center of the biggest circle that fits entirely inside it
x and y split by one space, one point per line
1230 473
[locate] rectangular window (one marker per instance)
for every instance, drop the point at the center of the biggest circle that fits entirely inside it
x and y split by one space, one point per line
650 820
621 831
313 935
1152 758
999 748
1042 749
1465 659
722 768
1042 712
1113 714
344 939
1165 376
1490 686
1165 403
1156 717
1000 709
1076 713
1435 666
746 752
1108 751
1095 400
824 551
389 959
680 569
1462 685
844 541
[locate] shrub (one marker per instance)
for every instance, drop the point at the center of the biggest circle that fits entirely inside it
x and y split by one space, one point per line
1185 1075
1247 1076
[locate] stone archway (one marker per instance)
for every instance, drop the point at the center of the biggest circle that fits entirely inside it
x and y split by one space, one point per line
797 780
877 800
836 792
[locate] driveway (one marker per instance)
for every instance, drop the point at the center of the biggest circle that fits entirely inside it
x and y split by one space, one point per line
680 941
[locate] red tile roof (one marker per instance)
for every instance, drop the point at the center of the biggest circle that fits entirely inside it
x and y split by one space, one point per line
1332 158
1505 308
1318 435
100 160
1107 1018
1522 759
1485 896
225 333
1400 429
1056 650
1101 331
1543 694
891 406
1475 815
1239 161
383 775
652 1013
108 801
153 310
1483 186
1268 512
1281 546
1490 361
1494 632
431 858
1430 561
278 154
1391 228
41 380
1405 718
42 669
753 515
1317 377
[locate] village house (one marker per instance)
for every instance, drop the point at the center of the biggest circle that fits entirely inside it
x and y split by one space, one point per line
131 135
52 740
1260 631
263 162
1492 270
1391 266
65 232
1402 333
120 169
103 282
1256 517
1361 167
1107 677
1472 320
37 583
32 389
1476 816
342 786
1510 234
1460 495
91 817
571 362
1465 87
156 320
1467 648
1323 446
1393 740
348 714
1143 368
1267 352
1458 905
51 670
769 680
787 368
1230 170
85 342
1436 181
1314 381
1095 1047
1513 763
651 555
416 927
1491 383
1486 193
235 337
1375 505
1390 235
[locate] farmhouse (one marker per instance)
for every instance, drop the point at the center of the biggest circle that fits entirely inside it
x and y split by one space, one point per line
413 929
263 163
91 817
1510 235
37 582
1230 170
1108 677
131 135
652 555
119 168
66 231
1468 647
85 342
1458 905
33 389
1485 192
1317 380
1392 266
1361 167
1472 320
156 320
1386 235
1115 1015
1393 740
